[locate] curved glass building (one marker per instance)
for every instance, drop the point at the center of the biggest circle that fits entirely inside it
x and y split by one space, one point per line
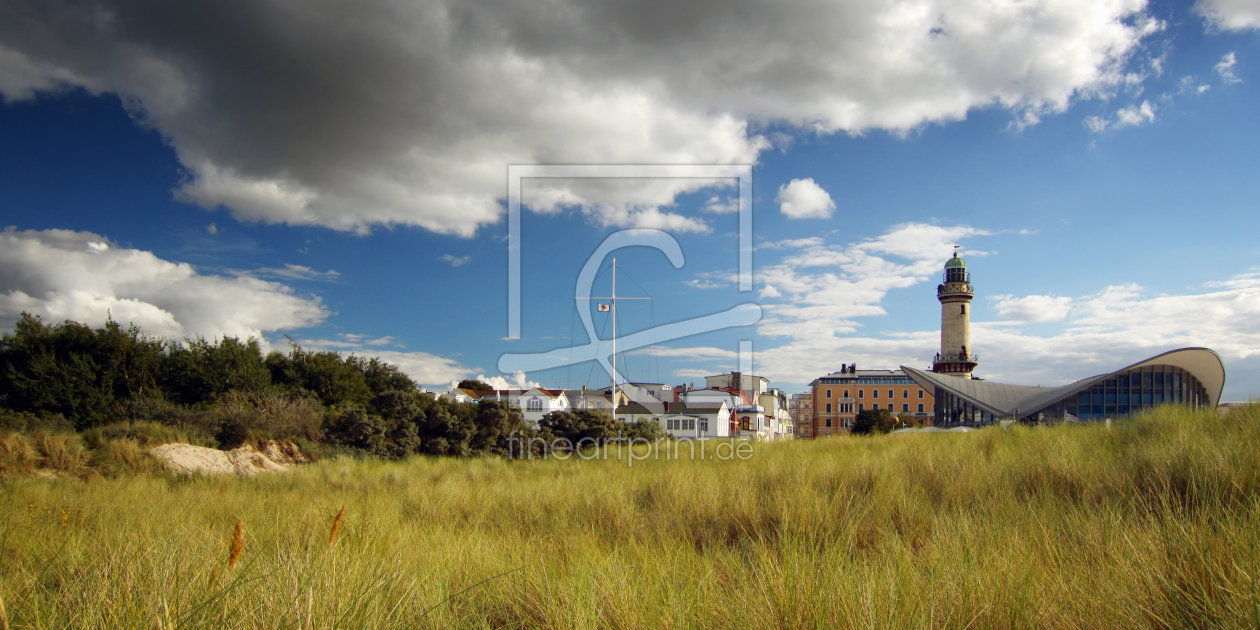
1190 376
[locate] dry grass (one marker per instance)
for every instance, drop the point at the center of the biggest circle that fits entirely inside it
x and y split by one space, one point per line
1154 525
237 546
336 526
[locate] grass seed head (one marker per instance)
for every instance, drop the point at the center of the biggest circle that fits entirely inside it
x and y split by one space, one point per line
336 526
238 544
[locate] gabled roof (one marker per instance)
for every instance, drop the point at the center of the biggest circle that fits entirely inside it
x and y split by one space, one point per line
1005 400
552 393
640 409
695 408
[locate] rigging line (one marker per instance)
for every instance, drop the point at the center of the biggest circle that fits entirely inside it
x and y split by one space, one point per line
647 360
568 375
601 345
654 361
623 272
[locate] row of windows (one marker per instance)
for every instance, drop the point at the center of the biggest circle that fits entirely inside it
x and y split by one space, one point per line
848 407
869 380
905 393
685 424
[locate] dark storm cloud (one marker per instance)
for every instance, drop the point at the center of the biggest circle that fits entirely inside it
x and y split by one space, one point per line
353 114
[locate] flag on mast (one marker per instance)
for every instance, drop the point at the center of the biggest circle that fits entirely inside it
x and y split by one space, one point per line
603 308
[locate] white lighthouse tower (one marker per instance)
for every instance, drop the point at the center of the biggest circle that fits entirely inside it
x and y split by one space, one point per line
955 294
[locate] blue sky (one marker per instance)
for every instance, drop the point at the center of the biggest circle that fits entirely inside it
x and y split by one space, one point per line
338 175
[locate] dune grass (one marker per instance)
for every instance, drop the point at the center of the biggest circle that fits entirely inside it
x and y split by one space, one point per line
1151 525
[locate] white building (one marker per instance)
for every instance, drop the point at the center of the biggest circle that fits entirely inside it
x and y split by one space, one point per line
698 420
538 402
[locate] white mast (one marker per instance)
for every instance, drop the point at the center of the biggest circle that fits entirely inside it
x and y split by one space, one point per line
613 309
614 336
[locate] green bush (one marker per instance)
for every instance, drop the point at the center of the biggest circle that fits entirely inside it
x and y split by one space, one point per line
872 421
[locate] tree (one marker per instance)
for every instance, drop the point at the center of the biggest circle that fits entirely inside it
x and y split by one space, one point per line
199 370
582 425
475 385
330 377
74 370
870 421
381 376
493 424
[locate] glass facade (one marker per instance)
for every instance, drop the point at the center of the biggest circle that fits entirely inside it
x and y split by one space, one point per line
1117 396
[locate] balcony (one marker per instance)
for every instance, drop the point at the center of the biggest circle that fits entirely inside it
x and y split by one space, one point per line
956 357
942 290
750 409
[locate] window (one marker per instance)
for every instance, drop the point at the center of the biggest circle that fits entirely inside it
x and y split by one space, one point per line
905 393
829 393
704 426
874 393
828 422
861 407
860 392
846 393
905 407
828 407
920 407
920 393
890 394
964 309
534 404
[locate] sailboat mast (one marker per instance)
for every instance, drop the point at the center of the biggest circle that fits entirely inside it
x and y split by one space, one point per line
614 337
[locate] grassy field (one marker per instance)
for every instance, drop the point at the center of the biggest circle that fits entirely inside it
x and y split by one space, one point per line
1152 525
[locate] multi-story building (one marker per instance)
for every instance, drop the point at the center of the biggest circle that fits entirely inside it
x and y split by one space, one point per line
837 398
801 411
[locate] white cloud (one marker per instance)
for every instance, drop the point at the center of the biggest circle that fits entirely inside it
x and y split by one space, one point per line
718 205
1188 85
1131 116
455 261
382 112
518 381
1225 68
423 367
1135 115
712 280
826 287
62 274
212 229
1033 308
290 272
804 199
1105 331
1232 15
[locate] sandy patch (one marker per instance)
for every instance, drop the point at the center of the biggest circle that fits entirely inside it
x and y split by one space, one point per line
245 461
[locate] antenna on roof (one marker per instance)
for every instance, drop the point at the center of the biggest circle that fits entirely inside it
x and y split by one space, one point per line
956 247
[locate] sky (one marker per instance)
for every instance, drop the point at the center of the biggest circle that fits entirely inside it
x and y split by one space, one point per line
336 174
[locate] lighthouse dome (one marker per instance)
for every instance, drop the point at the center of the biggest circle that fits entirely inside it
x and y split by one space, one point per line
955 262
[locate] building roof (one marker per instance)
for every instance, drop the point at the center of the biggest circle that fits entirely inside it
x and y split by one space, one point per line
863 374
694 408
955 262
635 408
1005 400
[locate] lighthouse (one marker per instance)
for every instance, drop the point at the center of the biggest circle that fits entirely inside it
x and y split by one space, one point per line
955 294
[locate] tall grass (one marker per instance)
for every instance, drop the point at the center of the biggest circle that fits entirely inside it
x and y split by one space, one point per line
1153 525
